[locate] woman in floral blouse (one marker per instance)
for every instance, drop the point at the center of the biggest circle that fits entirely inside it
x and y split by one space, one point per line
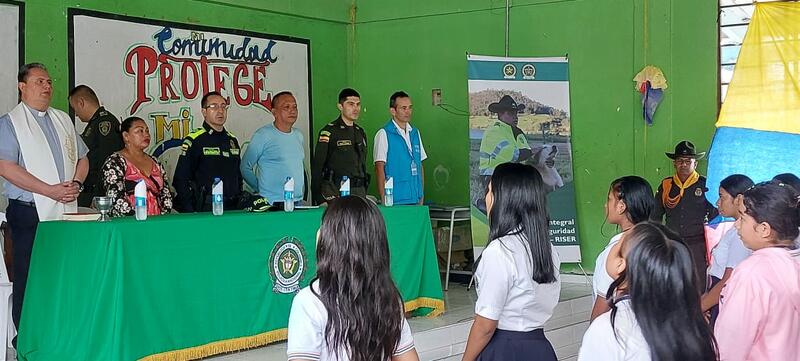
123 169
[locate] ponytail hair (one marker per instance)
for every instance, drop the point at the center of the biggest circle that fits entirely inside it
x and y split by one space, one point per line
637 195
777 204
736 184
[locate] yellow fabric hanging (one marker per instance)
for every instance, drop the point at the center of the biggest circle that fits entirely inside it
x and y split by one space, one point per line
666 186
652 74
764 93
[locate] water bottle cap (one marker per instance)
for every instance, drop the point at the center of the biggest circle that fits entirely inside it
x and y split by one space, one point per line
216 179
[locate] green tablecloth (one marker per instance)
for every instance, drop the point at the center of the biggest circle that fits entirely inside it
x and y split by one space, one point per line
188 286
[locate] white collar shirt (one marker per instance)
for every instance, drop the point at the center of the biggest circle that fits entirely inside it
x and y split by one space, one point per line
623 342
381 143
307 321
506 289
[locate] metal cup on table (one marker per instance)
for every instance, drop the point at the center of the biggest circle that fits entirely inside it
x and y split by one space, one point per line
103 204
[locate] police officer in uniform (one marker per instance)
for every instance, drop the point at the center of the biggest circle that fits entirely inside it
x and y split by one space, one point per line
681 201
341 150
101 135
502 142
207 153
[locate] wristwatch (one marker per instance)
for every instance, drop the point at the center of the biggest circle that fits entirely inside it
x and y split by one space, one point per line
80 185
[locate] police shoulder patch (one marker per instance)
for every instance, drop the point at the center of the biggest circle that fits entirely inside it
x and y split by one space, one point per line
323 139
196 133
104 127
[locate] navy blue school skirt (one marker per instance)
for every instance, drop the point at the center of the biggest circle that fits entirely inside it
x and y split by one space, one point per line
518 346
714 310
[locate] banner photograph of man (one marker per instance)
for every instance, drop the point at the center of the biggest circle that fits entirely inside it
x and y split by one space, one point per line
519 112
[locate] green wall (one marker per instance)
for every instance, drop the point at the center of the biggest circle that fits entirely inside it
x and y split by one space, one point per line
422 45
382 46
323 22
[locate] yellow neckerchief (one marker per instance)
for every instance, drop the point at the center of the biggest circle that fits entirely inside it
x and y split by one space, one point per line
666 185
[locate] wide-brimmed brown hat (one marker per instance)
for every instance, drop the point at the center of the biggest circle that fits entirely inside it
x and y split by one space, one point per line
506 103
685 149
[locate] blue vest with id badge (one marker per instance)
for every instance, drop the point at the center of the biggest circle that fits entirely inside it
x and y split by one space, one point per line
404 165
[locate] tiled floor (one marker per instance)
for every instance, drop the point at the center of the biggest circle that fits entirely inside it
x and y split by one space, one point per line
444 337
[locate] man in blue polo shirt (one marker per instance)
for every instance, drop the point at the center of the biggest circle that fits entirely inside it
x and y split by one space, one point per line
276 152
399 153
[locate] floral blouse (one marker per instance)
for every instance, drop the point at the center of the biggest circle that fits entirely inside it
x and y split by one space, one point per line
119 181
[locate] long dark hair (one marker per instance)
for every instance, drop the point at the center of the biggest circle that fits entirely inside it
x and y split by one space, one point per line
660 284
365 311
520 207
637 195
736 184
776 204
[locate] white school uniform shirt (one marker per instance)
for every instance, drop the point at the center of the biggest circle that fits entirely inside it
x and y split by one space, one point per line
307 322
601 280
728 253
381 148
601 344
506 290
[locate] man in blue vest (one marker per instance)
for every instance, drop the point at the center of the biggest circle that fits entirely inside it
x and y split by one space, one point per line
399 153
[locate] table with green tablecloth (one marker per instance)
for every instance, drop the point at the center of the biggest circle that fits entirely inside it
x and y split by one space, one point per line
187 286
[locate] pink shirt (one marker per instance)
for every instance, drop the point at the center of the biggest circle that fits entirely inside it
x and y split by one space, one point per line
154 184
760 308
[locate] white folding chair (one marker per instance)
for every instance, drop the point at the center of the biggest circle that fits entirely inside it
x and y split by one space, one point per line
7 329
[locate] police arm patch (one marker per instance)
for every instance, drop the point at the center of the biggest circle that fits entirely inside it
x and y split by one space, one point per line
104 127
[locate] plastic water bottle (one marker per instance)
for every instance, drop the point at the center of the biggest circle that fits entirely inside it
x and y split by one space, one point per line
217 205
140 197
344 189
288 195
388 192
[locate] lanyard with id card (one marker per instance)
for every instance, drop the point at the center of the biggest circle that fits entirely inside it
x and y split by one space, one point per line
414 170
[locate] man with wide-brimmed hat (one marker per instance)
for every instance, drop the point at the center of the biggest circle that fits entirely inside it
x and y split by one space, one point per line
682 199
504 142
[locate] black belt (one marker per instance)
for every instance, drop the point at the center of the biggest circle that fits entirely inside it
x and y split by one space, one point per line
22 203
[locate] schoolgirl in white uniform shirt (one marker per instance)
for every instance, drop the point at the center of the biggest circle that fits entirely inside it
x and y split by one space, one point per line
517 274
730 251
655 311
630 200
336 318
